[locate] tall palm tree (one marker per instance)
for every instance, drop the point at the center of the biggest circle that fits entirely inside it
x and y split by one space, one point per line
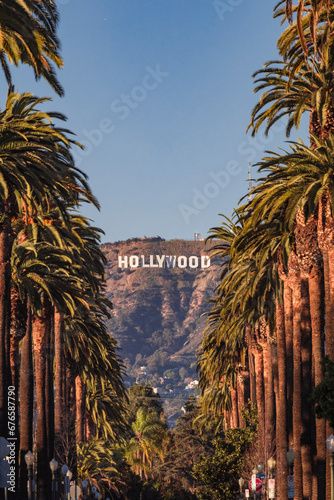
36 164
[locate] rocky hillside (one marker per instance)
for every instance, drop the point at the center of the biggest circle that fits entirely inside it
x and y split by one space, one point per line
158 314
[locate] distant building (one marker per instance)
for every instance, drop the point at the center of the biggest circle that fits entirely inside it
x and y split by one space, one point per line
192 385
198 237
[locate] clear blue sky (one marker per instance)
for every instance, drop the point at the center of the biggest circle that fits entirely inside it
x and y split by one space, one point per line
160 160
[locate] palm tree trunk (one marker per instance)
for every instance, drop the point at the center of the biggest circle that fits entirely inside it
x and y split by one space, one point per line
281 436
40 335
250 350
235 414
330 325
308 434
325 241
269 399
288 323
49 393
26 392
79 407
259 387
315 291
58 363
297 403
241 398
4 322
14 336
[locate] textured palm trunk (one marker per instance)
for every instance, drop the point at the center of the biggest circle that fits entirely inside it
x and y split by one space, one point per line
330 326
26 397
14 336
58 364
87 429
49 393
315 291
308 434
70 404
4 322
325 231
40 336
241 398
252 381
234 409
297 403
259 387
281 436
269 399
288 324
79 407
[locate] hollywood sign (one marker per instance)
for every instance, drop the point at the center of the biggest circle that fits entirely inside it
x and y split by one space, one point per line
163 261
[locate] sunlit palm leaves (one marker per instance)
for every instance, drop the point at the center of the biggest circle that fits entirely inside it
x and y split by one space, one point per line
28 35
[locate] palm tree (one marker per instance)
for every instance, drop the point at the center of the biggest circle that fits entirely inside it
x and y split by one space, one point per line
28 36
98 463
147 443
35 158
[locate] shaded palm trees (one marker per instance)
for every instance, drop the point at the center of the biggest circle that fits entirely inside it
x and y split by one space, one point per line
53 307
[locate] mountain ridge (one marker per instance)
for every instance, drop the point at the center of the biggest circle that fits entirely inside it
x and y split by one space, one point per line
158 314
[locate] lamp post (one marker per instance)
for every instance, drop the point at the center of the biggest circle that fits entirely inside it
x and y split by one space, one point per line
253 482
84 485
29 458
54 467
64 470
271 480
69 476
241 482
330 448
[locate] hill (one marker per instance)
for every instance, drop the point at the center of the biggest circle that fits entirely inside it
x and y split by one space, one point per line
158 314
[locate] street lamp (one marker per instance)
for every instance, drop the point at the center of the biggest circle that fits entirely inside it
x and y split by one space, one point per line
271 465
241 486
54 467
84 485
29 458
69 475
254 476
330 448
64 470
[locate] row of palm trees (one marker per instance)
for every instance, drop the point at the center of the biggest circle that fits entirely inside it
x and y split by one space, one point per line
272 320
54 347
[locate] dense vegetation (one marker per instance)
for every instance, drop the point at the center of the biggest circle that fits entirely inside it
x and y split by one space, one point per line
58 365
194 460
272 320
